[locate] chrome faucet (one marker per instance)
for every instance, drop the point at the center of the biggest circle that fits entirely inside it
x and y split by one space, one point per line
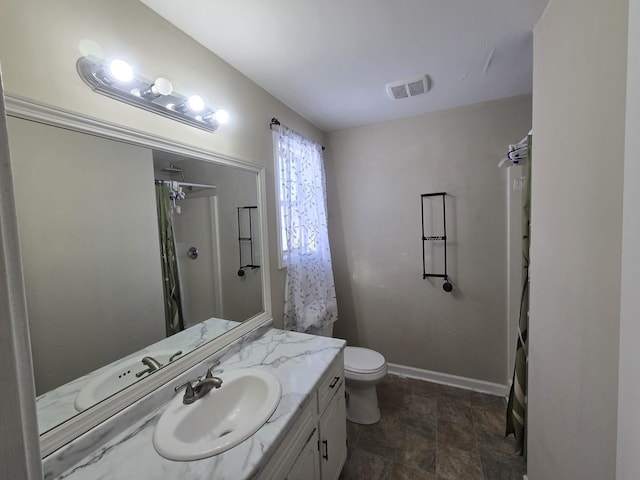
152 365
198 390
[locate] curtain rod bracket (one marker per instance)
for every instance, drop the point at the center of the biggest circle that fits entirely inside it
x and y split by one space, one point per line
274 121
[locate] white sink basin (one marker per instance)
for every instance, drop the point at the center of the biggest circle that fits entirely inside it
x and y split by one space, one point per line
118 376
219 420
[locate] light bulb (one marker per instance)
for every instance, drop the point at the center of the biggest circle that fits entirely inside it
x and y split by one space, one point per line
221 116
195 103
121 70
161 86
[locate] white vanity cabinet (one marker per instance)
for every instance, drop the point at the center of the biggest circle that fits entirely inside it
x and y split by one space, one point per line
316 446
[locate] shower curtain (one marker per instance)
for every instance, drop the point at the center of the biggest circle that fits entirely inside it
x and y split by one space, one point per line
517 406
174 320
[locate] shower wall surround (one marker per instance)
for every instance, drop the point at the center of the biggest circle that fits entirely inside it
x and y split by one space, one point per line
122 447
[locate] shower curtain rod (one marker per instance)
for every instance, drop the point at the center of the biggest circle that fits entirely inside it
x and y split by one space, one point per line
185 184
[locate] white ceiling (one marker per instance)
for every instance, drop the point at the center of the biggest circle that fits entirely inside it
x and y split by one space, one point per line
330 60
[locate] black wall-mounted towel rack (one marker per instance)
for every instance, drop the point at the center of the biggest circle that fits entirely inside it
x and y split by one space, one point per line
447 286
246 240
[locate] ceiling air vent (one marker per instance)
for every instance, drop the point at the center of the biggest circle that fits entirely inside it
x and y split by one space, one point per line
408 88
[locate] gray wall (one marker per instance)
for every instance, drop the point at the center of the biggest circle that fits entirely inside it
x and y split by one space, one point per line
579 139
375 176
89 237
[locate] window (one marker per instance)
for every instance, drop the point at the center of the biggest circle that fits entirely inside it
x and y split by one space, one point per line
300 194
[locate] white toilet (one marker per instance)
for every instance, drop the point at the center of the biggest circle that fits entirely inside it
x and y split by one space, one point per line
363 370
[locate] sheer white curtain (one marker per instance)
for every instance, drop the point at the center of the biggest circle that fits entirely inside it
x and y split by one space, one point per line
310 296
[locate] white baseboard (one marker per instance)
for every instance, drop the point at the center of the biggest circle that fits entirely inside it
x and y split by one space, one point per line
452 380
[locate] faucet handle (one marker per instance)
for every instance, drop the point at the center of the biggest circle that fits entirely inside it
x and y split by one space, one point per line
211 370
189 394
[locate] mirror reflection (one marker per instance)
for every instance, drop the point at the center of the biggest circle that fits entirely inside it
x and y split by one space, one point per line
132 258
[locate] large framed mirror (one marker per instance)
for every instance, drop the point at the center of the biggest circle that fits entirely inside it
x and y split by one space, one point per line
141 257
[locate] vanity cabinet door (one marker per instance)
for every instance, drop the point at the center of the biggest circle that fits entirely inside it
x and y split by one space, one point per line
307 465
333 436
329 384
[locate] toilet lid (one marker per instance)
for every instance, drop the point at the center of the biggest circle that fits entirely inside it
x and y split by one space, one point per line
362 360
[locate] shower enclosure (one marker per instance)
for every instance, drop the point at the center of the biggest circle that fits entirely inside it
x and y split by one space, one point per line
194 218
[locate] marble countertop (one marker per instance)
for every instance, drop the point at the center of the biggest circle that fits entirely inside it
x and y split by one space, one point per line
297 360
57 406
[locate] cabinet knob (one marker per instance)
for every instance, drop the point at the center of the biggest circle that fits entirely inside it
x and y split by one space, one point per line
335 382
326 449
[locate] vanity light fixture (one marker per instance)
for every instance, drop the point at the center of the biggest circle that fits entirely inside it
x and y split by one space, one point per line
121 70
118 80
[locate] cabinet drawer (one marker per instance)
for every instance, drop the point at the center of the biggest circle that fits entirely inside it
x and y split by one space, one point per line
331 382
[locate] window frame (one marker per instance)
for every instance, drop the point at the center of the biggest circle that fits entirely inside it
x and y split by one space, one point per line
282 251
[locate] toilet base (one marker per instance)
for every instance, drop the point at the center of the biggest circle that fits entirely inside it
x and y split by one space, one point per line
362 405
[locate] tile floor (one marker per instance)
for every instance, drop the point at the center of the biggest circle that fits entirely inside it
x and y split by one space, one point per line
432 432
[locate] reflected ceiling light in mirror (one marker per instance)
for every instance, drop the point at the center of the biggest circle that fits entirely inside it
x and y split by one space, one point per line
118 80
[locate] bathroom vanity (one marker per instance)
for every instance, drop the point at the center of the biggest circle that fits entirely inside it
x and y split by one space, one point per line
305 438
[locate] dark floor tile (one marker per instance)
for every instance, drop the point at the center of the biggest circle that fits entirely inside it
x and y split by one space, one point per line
376 448
489 420
353 432
402 472
428 432
458 436
494 470
453 392
455 411
387 432
455 464
391 400
420 415
416 452
427 406
365 465
422 388
500 448
396 383
485 400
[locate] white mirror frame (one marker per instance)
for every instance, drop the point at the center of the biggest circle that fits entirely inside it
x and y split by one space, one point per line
30 110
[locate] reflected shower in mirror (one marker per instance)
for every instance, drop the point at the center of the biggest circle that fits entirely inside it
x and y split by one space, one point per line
130 259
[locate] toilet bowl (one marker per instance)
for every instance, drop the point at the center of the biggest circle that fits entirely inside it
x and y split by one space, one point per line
363 370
